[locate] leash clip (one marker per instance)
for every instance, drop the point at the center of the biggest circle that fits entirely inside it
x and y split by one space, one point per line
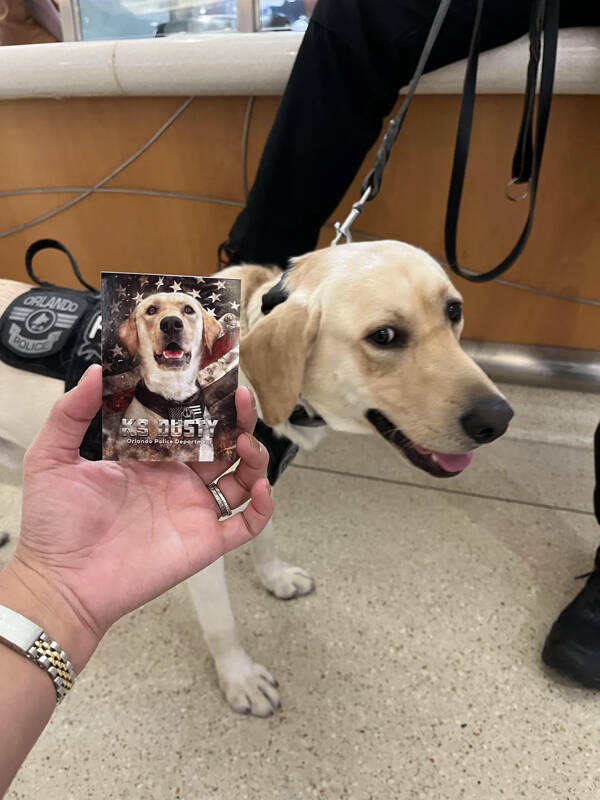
343 229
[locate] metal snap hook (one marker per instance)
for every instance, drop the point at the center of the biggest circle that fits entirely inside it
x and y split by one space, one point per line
343 229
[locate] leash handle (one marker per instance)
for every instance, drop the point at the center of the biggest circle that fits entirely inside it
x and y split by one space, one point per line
53 244
528 153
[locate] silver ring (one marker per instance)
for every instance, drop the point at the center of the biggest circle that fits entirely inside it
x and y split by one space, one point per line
220 500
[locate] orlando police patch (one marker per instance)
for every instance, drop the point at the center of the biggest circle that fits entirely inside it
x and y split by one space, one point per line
39 322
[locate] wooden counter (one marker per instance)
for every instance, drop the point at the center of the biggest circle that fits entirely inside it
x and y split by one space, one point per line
160 220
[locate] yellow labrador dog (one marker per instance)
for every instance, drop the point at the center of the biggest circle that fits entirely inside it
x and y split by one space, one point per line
168 334
366 336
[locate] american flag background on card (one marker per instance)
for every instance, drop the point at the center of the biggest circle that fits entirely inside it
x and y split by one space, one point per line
170 353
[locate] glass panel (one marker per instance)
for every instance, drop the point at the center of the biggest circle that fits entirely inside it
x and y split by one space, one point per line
128 19
285 15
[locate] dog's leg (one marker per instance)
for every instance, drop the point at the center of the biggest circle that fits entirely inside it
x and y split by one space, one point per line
248 687
281 579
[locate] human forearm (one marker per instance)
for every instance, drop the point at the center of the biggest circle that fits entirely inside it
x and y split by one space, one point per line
27 696
99 539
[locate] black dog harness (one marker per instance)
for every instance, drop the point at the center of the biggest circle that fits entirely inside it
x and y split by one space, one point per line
55 332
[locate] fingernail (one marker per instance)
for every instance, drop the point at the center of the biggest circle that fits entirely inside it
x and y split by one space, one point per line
254 442
85 373
268 486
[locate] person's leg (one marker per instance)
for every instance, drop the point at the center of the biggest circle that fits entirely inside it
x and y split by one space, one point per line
355 57
573 644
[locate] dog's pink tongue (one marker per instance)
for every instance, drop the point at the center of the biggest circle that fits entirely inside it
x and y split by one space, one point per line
172 353
449 461
454 463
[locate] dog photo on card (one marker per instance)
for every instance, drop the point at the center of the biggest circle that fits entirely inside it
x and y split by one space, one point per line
170 355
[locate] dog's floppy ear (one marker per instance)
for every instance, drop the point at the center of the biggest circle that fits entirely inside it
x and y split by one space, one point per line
128 334
211 330
273 356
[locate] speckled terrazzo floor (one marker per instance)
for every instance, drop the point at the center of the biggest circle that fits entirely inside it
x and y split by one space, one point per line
413 672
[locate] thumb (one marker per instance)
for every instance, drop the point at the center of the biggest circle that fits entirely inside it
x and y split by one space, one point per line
59 439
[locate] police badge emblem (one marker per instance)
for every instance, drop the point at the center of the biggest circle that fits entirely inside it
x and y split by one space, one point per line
38 323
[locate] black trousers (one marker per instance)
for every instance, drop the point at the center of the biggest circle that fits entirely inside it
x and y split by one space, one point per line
355 57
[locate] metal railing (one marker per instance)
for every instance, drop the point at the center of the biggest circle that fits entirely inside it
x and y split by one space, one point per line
535 365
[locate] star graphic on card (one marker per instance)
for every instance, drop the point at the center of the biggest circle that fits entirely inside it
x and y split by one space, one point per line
176 287
122 291
117 351
210 312
144 281
199 280
214 297
138 298
159 282
234 305
220 284
195 293
114 307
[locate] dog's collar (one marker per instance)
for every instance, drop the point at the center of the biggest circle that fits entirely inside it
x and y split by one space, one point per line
275 296
192 406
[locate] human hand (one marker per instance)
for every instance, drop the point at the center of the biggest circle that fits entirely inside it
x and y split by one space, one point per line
100 538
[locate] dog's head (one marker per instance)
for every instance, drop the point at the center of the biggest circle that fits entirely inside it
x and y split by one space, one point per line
167 332
369 337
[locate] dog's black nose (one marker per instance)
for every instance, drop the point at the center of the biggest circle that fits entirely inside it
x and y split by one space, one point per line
487 419
171 325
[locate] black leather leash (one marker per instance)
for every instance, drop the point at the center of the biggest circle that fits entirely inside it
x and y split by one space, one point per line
375 176
529 150
372 183
527 159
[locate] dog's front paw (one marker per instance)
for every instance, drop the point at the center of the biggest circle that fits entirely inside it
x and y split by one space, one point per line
249 688
286 581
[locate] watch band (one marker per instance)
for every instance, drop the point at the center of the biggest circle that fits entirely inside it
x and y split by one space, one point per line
29 639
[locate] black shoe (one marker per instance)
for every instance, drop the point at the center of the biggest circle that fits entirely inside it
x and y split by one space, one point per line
228 257
573 644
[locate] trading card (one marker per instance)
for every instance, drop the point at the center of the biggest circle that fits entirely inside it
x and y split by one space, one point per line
170 354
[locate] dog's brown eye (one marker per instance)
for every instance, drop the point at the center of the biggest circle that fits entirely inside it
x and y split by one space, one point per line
188 310
387 337
151 310
454 312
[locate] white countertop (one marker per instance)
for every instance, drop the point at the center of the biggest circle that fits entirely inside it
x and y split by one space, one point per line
251 64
